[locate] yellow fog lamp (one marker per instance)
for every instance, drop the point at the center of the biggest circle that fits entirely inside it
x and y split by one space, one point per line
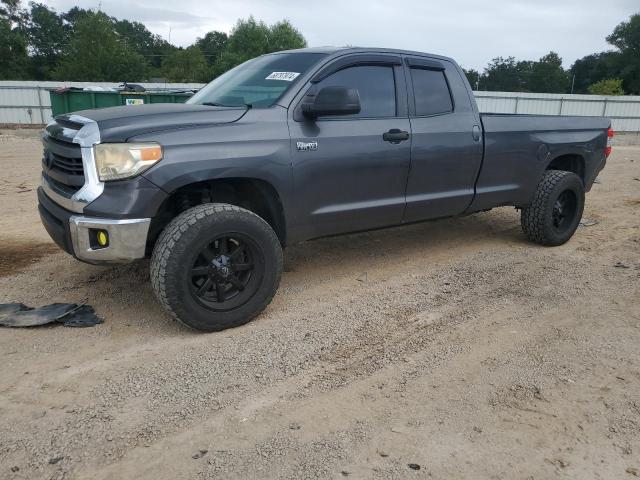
103 238
98 238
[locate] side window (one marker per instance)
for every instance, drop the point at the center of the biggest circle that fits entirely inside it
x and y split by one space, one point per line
431 92
375 84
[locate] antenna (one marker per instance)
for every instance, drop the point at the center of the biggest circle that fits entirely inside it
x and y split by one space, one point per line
165 78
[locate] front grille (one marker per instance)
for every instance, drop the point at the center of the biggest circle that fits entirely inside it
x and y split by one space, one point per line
64 190
69 166
62 163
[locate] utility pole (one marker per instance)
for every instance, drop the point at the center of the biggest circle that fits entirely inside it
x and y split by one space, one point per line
573 81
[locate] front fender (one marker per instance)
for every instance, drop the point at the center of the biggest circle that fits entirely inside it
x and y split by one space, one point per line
255 147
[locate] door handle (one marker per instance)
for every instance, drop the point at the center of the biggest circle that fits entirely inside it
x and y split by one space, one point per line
395 135
475 132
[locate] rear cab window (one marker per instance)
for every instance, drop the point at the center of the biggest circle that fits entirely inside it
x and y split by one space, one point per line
431 92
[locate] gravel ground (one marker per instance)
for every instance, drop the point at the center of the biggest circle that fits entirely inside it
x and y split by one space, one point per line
450 349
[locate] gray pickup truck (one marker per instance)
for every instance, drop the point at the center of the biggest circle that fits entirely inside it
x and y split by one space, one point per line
293 146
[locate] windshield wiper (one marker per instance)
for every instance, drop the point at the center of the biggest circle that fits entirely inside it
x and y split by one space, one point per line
214 104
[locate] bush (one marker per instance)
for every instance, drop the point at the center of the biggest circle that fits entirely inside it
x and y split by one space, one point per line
610 86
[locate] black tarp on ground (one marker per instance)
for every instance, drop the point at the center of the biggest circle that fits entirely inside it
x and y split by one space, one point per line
68 314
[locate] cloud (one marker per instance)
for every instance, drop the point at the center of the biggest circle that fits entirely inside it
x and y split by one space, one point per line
472 32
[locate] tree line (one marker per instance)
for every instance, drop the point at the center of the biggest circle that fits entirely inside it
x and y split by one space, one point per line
614 72
39 43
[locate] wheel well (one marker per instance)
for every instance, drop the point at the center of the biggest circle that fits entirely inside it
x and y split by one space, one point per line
568 163
255 195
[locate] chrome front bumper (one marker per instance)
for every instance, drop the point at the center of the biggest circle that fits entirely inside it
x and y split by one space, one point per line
73 233
127 239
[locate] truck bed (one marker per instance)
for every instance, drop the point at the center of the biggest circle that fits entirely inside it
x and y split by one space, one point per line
517 148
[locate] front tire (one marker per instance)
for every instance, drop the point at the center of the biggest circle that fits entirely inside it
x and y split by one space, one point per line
555 211
216 266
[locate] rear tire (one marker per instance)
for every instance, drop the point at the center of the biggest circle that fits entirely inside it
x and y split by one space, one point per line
555 211
216 266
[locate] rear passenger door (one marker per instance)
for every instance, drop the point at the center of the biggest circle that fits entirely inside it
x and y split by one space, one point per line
446 150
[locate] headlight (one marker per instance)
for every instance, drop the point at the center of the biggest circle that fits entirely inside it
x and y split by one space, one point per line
116 161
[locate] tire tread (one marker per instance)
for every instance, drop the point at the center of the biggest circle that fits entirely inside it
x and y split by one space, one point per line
167 241
533 217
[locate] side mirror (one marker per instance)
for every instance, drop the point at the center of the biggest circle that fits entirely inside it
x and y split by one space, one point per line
331 101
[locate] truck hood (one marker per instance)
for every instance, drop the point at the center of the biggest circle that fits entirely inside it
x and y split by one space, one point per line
117 124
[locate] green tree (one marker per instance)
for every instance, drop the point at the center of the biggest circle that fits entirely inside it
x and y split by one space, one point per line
74 15
212 45
610 86
591 69
547 75
10 10
505 75
626 38
139 39
284 36
473 76
250 38
187 65
13 52
48 38
13 44
97 54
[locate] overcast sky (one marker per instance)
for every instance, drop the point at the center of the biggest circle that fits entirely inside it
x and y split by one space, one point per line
473 32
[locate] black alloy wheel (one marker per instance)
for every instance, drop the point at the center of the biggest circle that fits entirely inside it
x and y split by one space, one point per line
564 211
224 274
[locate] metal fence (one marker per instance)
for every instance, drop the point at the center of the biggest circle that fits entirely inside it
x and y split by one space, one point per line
29 103
624 112
23 102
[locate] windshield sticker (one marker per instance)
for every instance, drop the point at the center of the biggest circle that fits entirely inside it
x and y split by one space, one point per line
286 76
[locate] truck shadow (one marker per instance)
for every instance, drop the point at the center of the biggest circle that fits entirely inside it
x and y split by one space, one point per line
499 228
351 253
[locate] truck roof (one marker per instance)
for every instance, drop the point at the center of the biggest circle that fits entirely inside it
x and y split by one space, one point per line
331 50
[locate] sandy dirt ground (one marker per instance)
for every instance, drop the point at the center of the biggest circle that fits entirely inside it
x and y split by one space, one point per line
450 349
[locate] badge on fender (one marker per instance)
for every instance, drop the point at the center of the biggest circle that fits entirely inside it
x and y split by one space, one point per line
305 146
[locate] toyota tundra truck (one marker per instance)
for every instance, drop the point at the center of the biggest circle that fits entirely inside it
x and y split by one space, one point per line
293 146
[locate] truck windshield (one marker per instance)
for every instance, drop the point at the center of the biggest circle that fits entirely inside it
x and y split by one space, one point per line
259 82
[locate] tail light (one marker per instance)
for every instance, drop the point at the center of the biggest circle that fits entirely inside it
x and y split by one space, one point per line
607 150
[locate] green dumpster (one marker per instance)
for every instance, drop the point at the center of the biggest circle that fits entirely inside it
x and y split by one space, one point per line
67 100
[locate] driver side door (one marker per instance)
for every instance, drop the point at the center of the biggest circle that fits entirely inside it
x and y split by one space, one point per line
347 174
